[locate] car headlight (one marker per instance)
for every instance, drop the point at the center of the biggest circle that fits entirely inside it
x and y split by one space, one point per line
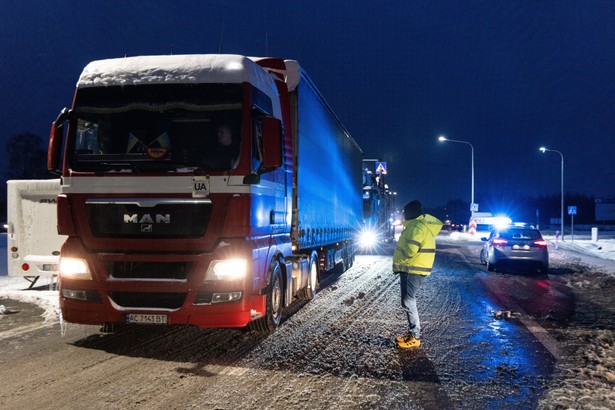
227 269
74 268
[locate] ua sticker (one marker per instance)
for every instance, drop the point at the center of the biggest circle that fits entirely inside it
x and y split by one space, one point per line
200 186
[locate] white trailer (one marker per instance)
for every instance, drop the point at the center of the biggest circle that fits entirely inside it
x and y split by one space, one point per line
33 243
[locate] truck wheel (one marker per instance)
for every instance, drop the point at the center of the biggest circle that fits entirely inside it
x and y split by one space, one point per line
273 314
308 292
343 265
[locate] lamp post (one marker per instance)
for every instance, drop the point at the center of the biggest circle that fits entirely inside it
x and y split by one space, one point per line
543 149
444 139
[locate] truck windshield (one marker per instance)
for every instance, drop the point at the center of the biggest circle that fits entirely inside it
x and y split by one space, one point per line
116 132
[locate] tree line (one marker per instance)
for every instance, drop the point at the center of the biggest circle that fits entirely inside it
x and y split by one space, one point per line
26 159
544 210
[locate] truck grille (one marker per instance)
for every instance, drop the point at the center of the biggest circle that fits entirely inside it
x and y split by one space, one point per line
149 270
148 300
148 217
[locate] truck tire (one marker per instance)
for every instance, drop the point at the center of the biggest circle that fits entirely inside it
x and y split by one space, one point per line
274 304
309 291
343 265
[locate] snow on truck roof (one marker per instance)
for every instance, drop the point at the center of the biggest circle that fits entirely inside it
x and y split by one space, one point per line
177 69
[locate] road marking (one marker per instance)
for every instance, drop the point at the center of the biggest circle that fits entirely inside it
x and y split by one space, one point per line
539 332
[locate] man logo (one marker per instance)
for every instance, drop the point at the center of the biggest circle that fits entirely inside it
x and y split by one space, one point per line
147 228
147 219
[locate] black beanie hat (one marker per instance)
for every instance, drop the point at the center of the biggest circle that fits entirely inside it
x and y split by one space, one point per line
412 210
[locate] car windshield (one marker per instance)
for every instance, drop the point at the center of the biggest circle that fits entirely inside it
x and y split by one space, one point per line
520 234
161 132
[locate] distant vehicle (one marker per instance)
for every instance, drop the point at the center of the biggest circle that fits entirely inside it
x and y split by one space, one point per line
450 226
515 247
33 243
486 221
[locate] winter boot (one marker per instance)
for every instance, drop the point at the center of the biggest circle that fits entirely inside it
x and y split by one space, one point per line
408 342
402 338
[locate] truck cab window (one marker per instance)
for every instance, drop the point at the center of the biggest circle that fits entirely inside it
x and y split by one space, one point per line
165 140
87 138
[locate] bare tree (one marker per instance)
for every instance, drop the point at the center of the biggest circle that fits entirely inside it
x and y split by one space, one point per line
27 157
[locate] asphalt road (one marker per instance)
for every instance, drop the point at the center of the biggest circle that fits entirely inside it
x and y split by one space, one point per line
335 352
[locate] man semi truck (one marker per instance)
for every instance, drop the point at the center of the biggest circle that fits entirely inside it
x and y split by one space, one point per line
210 190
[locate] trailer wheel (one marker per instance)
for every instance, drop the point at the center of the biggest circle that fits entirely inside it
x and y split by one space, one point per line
309 291
343 265
274 304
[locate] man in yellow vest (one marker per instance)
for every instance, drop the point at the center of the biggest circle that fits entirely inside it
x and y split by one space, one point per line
413 260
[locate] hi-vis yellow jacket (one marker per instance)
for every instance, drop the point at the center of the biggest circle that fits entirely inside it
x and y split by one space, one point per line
416 248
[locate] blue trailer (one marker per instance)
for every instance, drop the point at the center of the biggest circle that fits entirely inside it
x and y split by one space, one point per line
328 179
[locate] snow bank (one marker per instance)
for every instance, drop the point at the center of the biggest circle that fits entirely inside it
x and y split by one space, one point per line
16 288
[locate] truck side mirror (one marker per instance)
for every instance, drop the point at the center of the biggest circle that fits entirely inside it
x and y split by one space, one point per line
272 143
56 137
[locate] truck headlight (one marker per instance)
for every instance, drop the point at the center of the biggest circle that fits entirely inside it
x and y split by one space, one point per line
74 268
227 269
368 239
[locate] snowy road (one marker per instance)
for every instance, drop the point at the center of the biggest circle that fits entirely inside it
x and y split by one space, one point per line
337 351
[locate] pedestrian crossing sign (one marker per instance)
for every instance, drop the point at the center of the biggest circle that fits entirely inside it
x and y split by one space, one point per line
381 168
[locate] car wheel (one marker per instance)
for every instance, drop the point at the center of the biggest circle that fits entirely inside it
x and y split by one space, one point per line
483 260
490 267
543 269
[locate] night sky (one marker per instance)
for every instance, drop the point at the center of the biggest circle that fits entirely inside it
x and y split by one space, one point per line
506 76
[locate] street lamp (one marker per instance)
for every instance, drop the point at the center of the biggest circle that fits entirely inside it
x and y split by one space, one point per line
444 139
543 149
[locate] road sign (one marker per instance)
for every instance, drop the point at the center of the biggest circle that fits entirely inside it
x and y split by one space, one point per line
572 210
381 168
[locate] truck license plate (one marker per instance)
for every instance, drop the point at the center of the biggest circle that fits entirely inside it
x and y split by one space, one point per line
146 319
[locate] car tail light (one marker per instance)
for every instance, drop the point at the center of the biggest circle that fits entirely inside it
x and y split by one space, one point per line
499 241
541 243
